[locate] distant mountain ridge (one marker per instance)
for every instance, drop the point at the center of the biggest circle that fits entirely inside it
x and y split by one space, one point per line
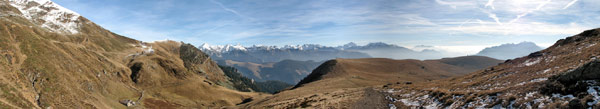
265 54
510 50
316 52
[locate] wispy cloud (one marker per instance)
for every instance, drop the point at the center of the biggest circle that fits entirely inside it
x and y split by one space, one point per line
570 3
525 28
539 7
490 4
455 4
494 17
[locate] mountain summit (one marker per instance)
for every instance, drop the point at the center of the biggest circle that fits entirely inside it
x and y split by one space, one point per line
49 15
510 51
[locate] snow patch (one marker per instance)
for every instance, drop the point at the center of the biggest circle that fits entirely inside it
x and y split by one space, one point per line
408 102
531 62
147 49
547 70
532 81
53 16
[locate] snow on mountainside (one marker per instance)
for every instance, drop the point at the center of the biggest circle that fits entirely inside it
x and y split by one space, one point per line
304 47
49 15
262 53
238 47
221 48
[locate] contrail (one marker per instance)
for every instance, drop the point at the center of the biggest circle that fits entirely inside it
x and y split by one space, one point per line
228 9
570 3
490 3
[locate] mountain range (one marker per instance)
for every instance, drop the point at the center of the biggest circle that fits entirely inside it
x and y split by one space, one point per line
265 54
315 52
291 63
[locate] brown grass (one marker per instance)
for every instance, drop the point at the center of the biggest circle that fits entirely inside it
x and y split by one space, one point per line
350 77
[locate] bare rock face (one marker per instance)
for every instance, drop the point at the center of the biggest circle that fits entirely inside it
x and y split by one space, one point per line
575 82
49 15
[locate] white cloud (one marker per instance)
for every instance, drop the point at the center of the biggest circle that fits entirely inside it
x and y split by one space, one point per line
455 4
463 49
493 16
539 7
521 28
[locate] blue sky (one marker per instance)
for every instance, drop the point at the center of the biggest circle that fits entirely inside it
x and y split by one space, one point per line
464 26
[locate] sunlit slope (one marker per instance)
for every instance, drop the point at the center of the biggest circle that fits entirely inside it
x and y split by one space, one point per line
341 83
94 68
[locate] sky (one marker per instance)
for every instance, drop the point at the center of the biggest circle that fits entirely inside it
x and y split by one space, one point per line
465 26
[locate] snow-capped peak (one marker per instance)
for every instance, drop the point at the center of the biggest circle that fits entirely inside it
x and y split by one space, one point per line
221 49
49 15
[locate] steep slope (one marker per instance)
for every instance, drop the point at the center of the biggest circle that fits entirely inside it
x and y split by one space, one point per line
564 75
245 84
509 51
50 57
340 83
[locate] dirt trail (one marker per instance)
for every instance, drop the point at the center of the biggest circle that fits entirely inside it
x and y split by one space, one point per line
371 99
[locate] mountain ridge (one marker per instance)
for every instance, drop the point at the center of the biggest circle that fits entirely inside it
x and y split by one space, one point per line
510 50
46 65
563 75
340 83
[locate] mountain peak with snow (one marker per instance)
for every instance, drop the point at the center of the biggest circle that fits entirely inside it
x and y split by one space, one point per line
221 48
49 15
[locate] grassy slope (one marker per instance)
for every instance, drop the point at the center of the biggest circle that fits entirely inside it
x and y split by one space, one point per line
341 82
92 69
516 78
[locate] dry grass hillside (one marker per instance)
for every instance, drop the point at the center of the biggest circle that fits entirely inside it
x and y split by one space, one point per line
96 68
564 75
345 83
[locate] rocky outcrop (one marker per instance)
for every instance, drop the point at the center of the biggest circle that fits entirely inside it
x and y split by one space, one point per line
574 82
579 37
191 55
